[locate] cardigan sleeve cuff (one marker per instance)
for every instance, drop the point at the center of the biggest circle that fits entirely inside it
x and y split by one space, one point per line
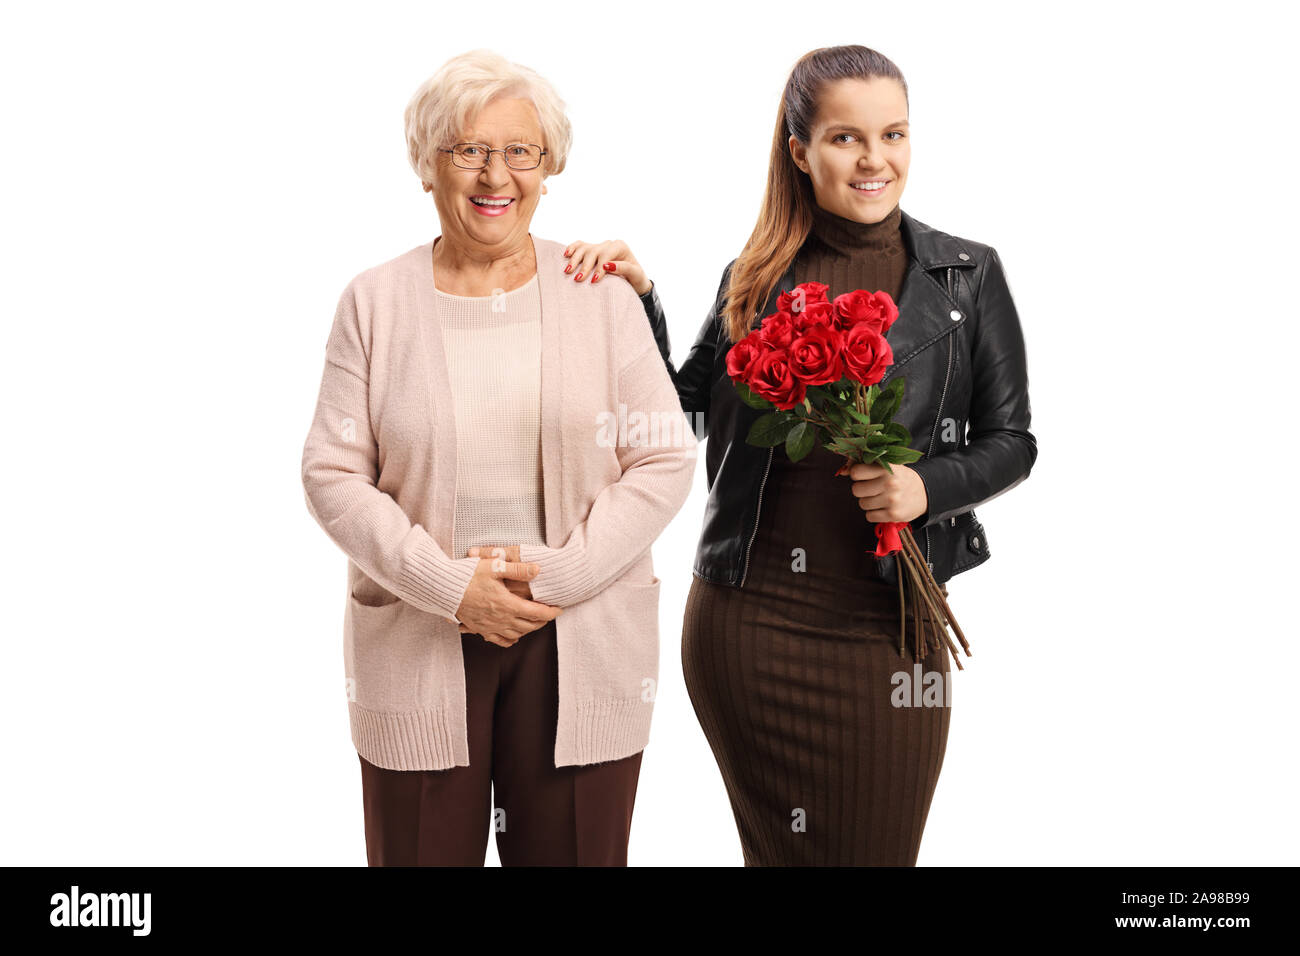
437 583
564 577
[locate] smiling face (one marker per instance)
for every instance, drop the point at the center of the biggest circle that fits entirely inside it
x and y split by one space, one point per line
491 208
859 148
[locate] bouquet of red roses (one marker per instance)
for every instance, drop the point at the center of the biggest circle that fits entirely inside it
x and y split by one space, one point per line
818 364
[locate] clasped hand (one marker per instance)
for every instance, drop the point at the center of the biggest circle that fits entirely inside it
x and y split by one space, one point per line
498 603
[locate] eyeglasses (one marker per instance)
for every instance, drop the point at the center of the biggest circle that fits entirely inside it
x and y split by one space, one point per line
477 155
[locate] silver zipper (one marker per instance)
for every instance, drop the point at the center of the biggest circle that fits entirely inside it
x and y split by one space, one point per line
758 511
952 522
934 432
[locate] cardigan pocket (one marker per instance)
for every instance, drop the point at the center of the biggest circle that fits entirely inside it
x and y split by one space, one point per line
369 594
617 642
389 649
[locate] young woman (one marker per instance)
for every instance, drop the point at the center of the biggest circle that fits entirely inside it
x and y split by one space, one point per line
790 641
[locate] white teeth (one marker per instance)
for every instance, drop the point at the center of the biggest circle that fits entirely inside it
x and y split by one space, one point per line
870 187
491 202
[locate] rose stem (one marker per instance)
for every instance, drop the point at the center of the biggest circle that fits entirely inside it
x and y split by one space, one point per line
902 610
918 572
943 602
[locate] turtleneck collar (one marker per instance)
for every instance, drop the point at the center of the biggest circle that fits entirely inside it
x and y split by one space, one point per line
849 237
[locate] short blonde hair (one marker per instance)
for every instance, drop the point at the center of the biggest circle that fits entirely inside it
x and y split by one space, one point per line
445 103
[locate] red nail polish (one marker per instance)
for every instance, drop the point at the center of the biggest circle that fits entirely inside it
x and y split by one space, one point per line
609 267
578 277
568 268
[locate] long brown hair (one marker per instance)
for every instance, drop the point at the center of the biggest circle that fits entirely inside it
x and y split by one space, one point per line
786 216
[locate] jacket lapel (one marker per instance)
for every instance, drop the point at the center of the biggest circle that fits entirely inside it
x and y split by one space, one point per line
925 312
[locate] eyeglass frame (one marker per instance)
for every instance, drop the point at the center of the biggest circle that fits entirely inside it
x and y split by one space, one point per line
490 151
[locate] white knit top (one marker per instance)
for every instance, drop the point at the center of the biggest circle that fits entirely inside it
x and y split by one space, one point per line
493 346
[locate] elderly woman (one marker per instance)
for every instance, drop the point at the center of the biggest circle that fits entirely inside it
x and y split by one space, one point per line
501 629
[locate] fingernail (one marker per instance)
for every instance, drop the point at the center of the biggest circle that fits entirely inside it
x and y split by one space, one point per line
568 268
595 277
578 277
609 267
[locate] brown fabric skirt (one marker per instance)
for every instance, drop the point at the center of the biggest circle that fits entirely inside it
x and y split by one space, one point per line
829 745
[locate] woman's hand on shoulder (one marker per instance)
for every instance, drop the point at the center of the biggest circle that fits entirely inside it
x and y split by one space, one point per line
592 261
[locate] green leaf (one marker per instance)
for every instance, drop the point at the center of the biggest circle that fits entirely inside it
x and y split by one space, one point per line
749 398
800 440
869 457
770 430
900 455
897 432
890 400
863 417
837 414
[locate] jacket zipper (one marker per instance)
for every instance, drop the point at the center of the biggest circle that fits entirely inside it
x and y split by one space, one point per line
938 416
952 522
759 510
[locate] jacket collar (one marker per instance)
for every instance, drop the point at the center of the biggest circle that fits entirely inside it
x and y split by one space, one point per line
926 313
933 248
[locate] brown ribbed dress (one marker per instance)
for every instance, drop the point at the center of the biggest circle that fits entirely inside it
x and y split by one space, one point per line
793 675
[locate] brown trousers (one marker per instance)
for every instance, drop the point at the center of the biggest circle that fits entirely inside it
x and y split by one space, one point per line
543 815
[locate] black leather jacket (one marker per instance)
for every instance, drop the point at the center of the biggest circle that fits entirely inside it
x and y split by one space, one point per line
958 344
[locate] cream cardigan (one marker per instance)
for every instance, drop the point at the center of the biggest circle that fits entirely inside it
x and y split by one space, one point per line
379 475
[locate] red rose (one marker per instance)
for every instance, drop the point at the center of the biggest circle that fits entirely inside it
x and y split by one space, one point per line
811 292
742 355
770 377
866 353
815 356
816 313
888 538
860 306
777 330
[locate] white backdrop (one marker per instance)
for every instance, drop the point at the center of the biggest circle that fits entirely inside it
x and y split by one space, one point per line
188 188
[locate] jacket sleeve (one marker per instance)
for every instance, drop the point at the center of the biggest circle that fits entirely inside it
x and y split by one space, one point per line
339 477
628 515
694 380
1001 449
